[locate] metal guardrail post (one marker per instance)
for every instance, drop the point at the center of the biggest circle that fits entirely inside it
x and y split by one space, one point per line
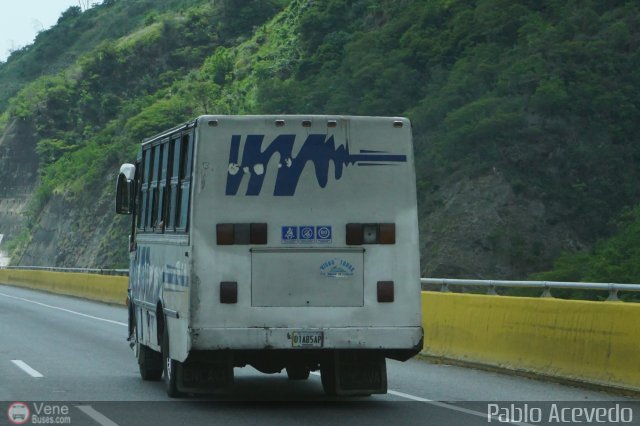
613 293
547 291
492 289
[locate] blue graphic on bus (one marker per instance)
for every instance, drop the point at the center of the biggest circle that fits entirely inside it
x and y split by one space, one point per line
307 234
317 149
289 234
323 234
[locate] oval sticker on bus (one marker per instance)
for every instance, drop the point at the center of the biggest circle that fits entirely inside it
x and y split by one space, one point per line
337 268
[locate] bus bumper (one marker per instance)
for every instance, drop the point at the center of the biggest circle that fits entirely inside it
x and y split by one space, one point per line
406 341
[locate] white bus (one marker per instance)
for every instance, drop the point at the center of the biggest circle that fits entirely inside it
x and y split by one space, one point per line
280 242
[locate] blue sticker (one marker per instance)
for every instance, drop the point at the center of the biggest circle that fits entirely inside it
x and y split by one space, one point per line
323 234
289 234
307 234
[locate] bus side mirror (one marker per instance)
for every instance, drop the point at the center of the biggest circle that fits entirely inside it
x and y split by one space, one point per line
125 189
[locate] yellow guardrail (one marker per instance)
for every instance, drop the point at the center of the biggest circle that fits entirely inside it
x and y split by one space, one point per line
103 288
593 342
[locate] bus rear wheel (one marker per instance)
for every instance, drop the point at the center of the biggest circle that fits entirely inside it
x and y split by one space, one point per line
149 361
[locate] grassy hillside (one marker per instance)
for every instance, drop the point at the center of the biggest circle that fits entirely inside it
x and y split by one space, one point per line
530 103
75 34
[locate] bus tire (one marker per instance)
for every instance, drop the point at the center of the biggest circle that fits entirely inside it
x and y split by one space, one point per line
298 372
328 377
149 361
170 367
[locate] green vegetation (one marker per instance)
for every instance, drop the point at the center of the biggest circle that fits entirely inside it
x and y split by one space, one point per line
616 259
545 93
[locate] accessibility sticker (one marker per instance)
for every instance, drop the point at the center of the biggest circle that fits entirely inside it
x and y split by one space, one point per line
289 234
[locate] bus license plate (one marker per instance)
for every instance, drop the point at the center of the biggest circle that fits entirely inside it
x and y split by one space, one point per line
307 339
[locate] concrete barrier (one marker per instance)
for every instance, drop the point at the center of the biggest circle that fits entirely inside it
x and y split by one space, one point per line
592 342
103 288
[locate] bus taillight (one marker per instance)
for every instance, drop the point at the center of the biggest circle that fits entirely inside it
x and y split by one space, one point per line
258 233
385 291
228 292
387 233
241 233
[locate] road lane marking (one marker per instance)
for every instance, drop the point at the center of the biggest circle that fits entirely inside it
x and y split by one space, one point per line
445 405
96 415
26 368
65 310
453 407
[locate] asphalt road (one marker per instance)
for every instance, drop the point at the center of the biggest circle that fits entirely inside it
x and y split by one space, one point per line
60 353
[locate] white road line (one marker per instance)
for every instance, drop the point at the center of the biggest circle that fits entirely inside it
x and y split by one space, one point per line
453 407
96 415
65 310
444 405
26 368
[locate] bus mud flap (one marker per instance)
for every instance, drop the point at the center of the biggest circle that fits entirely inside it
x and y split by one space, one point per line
360 372
205 372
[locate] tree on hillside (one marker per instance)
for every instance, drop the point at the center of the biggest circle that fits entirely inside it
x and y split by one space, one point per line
71 12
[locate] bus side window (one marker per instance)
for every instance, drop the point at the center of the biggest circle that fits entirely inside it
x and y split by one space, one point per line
173 185
166 185
162 184
143 193
153 223
148 191
186 158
